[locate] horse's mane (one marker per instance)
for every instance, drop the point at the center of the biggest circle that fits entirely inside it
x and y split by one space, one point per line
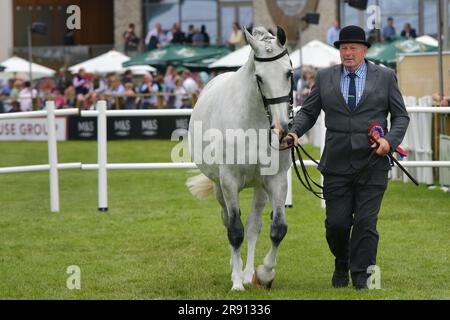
261 34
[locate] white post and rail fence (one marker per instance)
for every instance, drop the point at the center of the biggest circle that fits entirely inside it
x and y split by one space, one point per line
102 165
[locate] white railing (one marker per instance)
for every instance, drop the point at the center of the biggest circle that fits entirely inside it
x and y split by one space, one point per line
52 165
103 166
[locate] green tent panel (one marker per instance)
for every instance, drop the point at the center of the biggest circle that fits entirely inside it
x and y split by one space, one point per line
179 55
386 52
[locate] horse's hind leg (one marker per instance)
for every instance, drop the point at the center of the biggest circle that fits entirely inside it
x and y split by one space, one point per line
253 229
219 197
276 188
235 228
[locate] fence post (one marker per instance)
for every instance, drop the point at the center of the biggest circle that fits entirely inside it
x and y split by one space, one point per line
102 156
288 203
52 157
323 132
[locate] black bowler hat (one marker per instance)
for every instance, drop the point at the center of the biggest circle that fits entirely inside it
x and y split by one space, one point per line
352 34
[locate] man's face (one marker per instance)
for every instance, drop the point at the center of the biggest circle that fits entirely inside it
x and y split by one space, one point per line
352 55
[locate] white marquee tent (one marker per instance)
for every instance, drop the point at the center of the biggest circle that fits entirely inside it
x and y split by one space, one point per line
428 40
234 59
315 53
109 62
18 67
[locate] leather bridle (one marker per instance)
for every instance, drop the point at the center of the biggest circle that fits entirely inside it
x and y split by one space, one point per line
271 101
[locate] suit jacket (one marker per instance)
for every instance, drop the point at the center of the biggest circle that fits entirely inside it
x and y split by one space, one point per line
347 148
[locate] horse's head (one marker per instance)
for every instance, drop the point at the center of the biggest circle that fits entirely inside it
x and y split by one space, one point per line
274 75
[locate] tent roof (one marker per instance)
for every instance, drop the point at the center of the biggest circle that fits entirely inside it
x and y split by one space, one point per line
386 52
108 62
428 40
234 59
177 55
20 67
315 53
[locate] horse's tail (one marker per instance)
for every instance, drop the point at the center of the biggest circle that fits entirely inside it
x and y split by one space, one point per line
200 186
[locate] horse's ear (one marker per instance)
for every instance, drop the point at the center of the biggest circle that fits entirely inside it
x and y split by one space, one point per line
281 35
249 39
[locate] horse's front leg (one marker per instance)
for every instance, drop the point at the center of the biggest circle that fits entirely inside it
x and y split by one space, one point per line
253 229
276 188
230 190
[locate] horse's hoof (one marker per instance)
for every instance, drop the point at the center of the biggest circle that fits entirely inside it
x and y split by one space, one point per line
238 288
257 283
248 277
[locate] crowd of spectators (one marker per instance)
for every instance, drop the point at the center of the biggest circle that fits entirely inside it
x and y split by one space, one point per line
387 33
174 89
158 38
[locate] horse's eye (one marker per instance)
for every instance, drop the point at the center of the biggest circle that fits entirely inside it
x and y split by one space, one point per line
259 79
288 74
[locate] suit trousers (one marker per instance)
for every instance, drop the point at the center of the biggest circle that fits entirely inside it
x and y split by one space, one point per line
352 205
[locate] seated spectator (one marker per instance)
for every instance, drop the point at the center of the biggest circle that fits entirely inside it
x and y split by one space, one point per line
177 35
374 34
186 102
127 77
198 38
169 87
442 101
81 83
408 32
304 85
114 91
5 91
202 80
156 38
190 33
26 97
149 88
129 98
389 30
236 39
15 107
70 97
17 87
180 92
205 35
99 84
333 33
189 83
59 98
63 80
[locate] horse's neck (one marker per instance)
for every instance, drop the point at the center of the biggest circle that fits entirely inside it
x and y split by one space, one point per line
246 76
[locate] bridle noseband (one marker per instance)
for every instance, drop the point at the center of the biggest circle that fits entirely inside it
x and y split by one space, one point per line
270 101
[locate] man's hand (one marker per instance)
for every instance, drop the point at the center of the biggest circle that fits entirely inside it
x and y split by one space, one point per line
288 141
383 148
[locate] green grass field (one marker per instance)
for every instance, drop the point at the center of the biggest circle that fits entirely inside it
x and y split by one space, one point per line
158 242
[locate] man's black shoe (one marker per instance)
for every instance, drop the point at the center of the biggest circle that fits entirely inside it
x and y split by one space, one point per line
359 280
340 279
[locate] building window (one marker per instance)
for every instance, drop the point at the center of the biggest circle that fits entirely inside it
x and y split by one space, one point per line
195 12
216 15
402 12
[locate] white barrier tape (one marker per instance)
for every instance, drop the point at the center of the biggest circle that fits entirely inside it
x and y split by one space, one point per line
40 167
38 114
139 113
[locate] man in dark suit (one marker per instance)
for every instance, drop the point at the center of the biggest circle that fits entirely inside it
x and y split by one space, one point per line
354 95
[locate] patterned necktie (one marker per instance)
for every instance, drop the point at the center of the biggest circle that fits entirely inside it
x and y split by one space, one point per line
352 92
